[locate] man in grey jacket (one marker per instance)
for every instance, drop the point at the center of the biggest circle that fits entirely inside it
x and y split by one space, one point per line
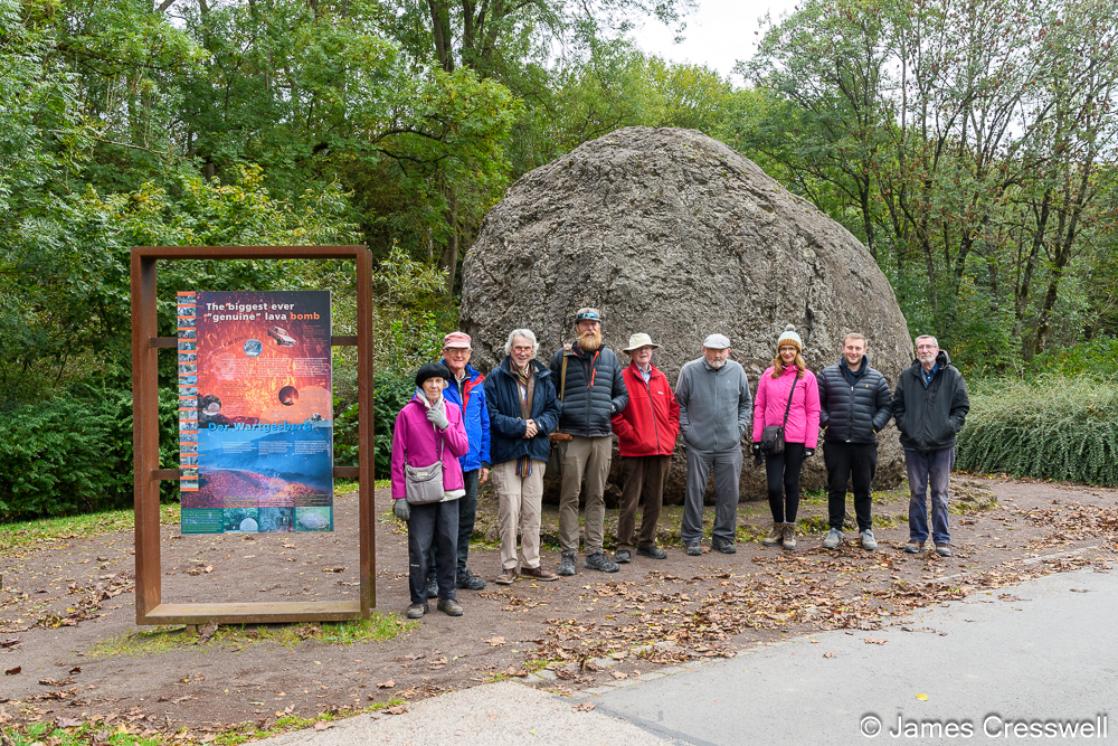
714 411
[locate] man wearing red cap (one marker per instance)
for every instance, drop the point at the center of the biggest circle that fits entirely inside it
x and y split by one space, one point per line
466 390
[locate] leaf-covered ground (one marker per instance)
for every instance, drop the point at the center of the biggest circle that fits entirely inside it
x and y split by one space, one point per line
74 661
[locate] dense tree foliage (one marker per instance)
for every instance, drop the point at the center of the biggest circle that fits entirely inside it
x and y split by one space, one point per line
969 143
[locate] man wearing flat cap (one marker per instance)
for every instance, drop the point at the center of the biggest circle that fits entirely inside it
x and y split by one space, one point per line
646 432
715 407
591 391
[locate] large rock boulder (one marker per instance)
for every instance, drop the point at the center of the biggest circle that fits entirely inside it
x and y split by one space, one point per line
670 232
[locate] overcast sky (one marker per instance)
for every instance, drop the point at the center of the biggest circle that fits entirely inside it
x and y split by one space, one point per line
718 34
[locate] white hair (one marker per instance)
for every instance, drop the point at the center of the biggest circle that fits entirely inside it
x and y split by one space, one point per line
926 336
527 334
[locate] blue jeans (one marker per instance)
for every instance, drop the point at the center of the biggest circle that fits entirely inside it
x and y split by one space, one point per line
928 468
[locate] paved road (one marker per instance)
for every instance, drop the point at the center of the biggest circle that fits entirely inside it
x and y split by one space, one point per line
1046 650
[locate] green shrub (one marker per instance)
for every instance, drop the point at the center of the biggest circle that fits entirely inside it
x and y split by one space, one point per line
73 454
391 391
1052 428
1097 359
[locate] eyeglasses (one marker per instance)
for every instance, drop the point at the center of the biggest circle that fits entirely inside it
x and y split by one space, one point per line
455 351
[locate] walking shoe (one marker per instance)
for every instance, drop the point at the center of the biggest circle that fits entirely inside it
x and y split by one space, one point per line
622 556
600 562
869 541
726 547
914 547
450 607
653 552
508 577
694 549
416 611
539 574
432 587
470 582
788 541
943 550
776 535
832 539
567 564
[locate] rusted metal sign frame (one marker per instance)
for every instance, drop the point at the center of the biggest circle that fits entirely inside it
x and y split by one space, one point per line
145 438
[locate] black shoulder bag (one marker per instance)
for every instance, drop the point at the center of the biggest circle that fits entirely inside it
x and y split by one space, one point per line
772 437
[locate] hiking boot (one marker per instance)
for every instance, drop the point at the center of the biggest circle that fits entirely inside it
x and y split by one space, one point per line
432 587
566 564
832 539
470 582
654 552
622 556
694 549
943 550
450 607
726 547
538 573
600 562
914 547
416 611
869 541
776 535
788 536
508 577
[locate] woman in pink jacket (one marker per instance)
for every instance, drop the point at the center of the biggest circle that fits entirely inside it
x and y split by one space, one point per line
787 377
429 429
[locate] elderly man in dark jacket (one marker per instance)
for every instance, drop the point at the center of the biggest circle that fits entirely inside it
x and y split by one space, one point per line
523 411
591 391
854 406
930 406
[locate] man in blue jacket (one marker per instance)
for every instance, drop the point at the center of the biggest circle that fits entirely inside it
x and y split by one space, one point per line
523 412
930 406
854 404
467 391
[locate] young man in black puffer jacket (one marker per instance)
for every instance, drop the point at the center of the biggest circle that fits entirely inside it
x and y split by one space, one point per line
855 405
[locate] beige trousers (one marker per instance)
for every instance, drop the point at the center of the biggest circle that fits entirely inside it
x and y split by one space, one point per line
584 458
519 502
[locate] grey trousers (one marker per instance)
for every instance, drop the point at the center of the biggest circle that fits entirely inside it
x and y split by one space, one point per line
727 476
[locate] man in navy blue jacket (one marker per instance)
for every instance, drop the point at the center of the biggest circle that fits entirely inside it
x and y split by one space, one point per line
523 410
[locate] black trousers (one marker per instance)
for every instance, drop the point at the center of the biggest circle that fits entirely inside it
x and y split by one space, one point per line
849 462
434 524
467 516
783 472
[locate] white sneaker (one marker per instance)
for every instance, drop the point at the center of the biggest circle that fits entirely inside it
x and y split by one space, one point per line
869 543
833 539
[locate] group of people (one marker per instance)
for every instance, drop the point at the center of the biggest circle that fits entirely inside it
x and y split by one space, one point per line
467 428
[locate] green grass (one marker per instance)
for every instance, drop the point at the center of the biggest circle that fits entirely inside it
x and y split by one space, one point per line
26 533
379 627
86 733
104 734
250 732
